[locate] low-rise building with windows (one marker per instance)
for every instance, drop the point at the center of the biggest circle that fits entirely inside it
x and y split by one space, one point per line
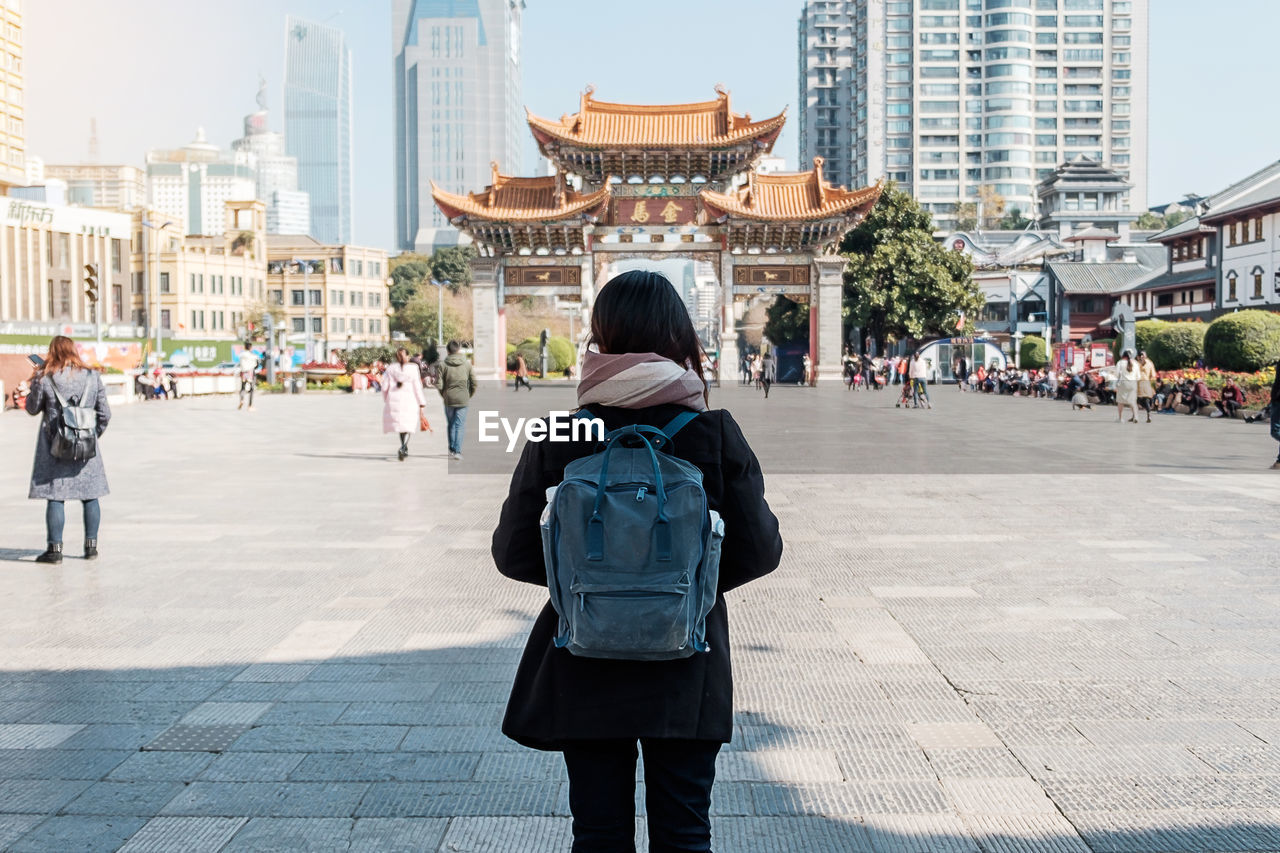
206 284
334 297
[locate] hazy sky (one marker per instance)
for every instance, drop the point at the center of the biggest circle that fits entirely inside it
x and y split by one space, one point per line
151 71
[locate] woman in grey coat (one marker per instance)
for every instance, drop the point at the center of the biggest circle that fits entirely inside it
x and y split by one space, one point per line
60 480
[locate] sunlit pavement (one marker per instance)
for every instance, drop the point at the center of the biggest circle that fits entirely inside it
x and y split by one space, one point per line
999 625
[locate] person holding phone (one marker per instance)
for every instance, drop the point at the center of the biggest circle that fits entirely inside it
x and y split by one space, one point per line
62 379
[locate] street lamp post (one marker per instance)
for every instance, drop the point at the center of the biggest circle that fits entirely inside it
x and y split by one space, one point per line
146 276
440 286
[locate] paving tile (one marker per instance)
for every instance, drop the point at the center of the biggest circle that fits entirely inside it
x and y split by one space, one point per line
14 826
953 735
791 835
153 766
35 736
81 833
225 713
39 796
333 738
1048 833
508 834
389 767
292 835
196 738
188 834
123 798
268 799
457 799
252 767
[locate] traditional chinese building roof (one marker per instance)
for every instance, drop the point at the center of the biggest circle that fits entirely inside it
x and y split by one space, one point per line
704 139
513 213
788 210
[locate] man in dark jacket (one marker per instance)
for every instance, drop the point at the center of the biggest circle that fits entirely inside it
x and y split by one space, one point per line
1275 412
457 385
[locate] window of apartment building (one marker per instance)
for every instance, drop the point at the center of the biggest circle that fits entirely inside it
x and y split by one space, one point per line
117 303
298 297
336 297
357 326
1231 286
1121 58
165 322
1082 89
317 297
939 20
1046 37
335 265
115 255
1120 41
277 296
1046 20
64 250
317 325
1257 228
299 324
357 299
1046 5
375 300
1047 157
335 324
939 5
193 282
375 327
1257 282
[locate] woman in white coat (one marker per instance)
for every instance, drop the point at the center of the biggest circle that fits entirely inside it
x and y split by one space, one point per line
1128 375
402 400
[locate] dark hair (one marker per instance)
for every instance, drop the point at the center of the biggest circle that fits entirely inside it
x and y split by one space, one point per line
640 311
453 347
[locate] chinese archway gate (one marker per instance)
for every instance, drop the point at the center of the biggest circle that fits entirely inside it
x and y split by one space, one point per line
658 181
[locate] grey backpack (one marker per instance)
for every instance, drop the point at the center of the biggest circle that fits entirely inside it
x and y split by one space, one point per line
632 550
74 433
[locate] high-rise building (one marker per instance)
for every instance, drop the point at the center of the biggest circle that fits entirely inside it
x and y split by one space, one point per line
193 184
12 134
317 123
458 106
288 208
93 185
960 101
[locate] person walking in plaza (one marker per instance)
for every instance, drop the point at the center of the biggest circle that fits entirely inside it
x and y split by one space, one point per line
595 710
1146 383
64 471
247 362
403 403
457 385
522 373
1127 376
807 364
919 375
766 372
962 372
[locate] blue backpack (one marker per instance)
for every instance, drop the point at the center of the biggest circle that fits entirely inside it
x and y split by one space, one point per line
632 550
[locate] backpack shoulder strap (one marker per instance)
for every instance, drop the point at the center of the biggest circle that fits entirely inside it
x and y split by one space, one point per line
678 423
62 401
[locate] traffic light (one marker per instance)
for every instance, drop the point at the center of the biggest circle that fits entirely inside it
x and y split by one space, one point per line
91 282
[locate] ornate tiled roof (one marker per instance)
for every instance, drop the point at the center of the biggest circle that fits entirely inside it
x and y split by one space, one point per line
511 199
789 196
600 124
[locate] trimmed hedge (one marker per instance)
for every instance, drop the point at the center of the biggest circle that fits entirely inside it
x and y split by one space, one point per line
1178 345
560 354
1145 331
1244 341
1033 352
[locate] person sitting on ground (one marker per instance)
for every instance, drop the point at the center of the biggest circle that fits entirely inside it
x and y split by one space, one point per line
1080 398
1200 397
1230 399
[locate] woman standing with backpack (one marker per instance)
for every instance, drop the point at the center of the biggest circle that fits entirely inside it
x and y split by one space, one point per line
60 472
644 369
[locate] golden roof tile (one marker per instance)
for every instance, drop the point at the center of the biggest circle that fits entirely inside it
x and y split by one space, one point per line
512 199
789 196
600 124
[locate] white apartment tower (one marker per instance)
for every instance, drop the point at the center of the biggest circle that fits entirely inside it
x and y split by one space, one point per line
458 106
193 184
949 96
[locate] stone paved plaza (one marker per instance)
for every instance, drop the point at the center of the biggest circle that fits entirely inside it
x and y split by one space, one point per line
998 626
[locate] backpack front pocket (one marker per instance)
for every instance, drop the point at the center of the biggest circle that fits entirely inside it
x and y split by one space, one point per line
650 617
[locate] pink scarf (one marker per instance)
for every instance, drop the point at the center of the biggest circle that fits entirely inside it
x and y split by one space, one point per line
635 380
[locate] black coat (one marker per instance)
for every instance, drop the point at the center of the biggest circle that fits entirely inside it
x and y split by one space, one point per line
558 697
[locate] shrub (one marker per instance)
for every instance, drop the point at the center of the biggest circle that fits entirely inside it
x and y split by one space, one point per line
1145 331
1178 345
1033 352
560 354
1245 340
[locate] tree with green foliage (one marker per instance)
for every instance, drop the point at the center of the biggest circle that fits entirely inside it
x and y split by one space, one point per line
787 322
1149 220
408 272
1014 220
1177 345
453 264
899 281
966 216
1244 340
417 319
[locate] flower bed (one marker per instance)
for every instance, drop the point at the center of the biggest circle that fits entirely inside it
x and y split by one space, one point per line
1256 386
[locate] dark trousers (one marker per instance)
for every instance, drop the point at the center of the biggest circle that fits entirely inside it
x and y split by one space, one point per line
678 775
1227 407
